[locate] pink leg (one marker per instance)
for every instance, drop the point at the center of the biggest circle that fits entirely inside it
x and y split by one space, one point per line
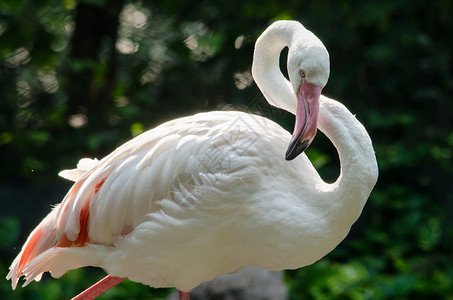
184 295
99 288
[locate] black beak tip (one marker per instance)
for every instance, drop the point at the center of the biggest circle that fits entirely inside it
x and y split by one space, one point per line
296 148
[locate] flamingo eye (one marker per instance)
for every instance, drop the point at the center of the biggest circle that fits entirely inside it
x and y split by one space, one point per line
302 73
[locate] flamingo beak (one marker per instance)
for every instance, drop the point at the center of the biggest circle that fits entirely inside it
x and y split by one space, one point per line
306 119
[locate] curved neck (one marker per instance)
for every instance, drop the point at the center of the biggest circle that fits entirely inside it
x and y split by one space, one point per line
275 87
359 170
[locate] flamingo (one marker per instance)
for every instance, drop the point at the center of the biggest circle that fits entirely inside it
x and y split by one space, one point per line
208 194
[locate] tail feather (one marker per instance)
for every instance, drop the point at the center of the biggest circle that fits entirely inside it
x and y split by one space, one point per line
40 264
58 235
58 260
40 240
44 237
13 275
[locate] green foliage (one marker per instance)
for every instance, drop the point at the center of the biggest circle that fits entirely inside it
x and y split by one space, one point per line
391 65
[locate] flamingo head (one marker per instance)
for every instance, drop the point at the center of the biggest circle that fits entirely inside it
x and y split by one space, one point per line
308 68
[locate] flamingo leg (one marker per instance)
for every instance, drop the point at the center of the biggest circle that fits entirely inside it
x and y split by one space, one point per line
99 288
184 295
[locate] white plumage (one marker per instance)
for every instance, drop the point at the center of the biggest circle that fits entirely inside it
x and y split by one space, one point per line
205 195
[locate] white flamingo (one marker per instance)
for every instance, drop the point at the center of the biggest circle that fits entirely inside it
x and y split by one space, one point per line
205 195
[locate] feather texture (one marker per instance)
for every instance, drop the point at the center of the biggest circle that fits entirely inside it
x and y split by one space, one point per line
205 195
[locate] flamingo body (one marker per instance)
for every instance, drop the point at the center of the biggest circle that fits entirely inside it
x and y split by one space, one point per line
205 195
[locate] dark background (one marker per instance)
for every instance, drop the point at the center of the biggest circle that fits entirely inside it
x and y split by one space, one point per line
79 78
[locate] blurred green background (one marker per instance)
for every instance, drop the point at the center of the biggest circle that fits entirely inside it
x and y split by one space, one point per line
79 78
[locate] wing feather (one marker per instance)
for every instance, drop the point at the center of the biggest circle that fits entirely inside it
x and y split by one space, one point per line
84 165
114 195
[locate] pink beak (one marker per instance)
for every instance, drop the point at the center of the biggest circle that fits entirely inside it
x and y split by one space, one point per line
306 119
